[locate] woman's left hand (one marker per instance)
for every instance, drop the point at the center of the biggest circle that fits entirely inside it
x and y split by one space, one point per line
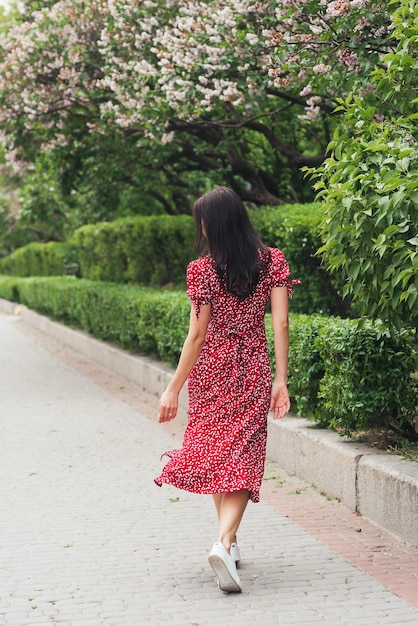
168 405
280 401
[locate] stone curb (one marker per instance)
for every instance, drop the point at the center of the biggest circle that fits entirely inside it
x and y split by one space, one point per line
382 487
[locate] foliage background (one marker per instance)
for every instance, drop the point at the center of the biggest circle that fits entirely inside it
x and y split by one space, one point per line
114 109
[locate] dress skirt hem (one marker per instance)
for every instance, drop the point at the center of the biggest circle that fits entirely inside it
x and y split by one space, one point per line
254 495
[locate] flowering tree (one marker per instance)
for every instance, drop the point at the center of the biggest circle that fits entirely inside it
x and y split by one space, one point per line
323 49
174 95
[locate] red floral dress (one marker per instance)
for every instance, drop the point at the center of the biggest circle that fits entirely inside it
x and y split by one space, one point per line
229 387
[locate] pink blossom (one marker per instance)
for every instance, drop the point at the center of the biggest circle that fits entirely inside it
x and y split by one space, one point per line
121 60
306 90
167 138
349 59
311 114
252 39
321 68
362 23
338 7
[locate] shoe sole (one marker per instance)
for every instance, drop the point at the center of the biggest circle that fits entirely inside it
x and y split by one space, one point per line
226 581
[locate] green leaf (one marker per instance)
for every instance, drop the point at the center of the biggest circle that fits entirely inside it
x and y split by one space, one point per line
384 202
353 270
391 230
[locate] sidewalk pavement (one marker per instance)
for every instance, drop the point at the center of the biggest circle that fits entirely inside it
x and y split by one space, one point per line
86 538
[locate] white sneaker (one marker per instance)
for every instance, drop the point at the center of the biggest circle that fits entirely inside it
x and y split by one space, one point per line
235 553
224 567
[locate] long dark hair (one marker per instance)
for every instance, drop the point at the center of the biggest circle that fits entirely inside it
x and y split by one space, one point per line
231 240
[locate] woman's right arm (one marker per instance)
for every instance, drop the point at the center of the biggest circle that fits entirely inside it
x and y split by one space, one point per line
280 402
192 347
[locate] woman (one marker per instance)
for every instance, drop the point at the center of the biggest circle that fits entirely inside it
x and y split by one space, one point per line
225 359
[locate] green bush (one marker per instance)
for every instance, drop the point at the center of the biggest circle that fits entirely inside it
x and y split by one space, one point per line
155 250
306 368
340 375
42 259
353 378
151 250
137 318
367 379
294 229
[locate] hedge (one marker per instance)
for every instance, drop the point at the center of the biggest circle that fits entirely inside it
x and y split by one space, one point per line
42 259
146 250
354 378
154 251
341 376
137 318
294 229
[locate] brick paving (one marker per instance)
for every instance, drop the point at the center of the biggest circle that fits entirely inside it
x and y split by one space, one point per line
86 538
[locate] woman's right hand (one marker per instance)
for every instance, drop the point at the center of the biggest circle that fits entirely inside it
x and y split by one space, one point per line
168 405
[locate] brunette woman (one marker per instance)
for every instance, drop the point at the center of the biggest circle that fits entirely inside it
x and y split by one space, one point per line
226 362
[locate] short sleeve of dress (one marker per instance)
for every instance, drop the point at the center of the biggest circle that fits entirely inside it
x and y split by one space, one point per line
280 272
198 288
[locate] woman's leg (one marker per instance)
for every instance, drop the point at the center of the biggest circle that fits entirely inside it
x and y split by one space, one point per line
217 498
230 507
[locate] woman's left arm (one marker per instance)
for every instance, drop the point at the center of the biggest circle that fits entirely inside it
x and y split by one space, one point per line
192 347
280 402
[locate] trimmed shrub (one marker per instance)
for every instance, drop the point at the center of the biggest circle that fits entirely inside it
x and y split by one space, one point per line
353 378
137 318
367 379
151 250
340 375
295 230
306 368
42 259
155 250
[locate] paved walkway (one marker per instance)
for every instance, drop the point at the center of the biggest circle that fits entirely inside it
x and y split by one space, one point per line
86 538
